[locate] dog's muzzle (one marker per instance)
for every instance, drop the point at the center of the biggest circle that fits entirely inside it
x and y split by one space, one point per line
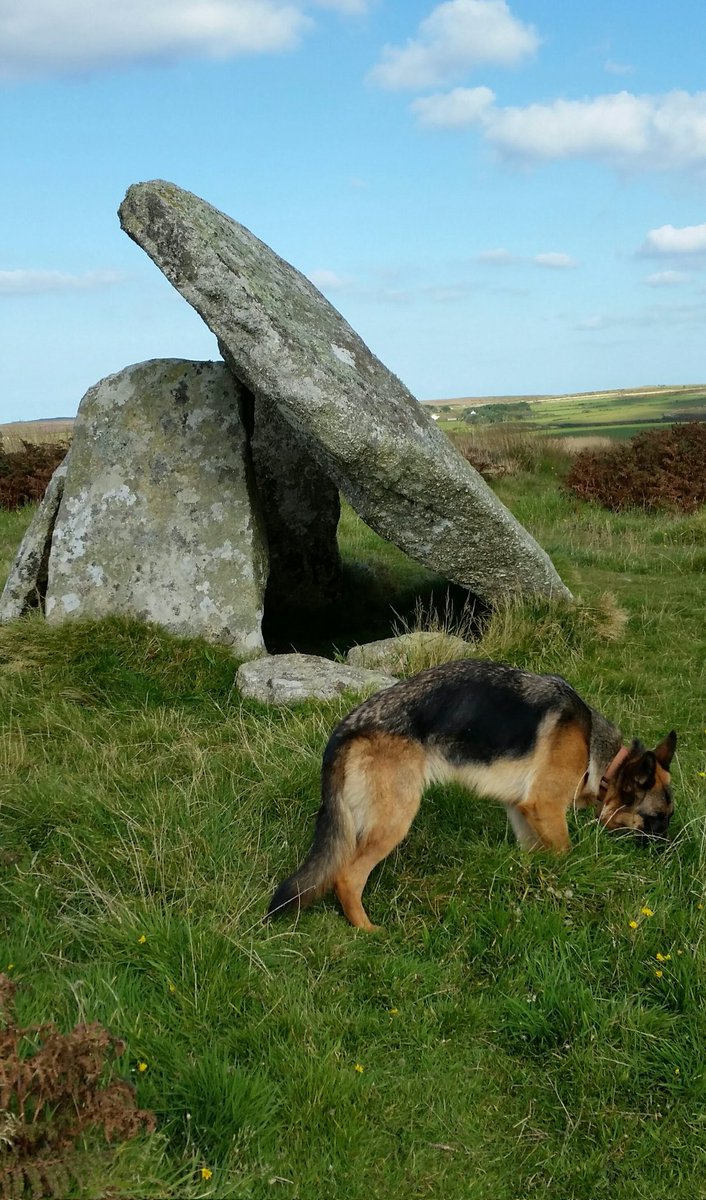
655 826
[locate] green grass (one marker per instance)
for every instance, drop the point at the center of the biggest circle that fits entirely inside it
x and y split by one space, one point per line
515 1038
617 414
620 414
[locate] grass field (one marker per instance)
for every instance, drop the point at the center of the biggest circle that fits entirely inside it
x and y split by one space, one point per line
511 1034
617 414
38 433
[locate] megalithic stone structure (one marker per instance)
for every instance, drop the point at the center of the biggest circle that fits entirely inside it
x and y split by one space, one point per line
292 349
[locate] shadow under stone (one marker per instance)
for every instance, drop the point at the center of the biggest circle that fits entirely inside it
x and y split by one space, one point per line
369 608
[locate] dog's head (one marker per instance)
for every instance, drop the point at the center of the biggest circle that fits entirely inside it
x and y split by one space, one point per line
639 796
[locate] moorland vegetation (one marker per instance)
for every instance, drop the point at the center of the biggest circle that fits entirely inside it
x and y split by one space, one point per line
523 1027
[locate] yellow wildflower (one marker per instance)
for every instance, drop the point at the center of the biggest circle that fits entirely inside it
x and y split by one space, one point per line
647 912
633 924
142 1067
359 1068
702 774
141 940
10 966
393 1012
659 974
172 988
662 957
206 1172
677 1071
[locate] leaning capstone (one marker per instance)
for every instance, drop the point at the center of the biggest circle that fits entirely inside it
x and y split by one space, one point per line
410 652
291 678
27 582
158 519
290 346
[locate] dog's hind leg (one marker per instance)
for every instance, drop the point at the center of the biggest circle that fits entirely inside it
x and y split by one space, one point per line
387 775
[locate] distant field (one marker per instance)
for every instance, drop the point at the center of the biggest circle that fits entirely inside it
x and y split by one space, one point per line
58 429
618 414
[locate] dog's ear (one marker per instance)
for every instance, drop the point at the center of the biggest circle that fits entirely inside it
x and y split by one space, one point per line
636 749
639 768
664 753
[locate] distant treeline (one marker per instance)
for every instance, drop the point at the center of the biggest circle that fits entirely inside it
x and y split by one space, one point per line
497 414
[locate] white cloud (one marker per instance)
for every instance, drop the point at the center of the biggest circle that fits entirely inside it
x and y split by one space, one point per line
655 316
668 239
556 261
328 281
553 259
499 257
40 37
620 129
666 278
456 36
453 110
616 68
22 282
589 324
349 7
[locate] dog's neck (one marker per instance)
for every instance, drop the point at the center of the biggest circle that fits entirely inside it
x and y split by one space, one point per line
612 770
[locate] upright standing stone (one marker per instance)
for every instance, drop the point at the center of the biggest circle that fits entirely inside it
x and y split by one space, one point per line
27 582
291 347
159 519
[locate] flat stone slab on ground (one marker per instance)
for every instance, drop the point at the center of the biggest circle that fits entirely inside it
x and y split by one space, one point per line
398 654
289 678
289 346
158 518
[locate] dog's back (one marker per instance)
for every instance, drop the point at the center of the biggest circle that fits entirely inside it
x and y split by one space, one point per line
473 710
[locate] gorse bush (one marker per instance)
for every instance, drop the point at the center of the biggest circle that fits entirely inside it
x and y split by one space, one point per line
52 1092
25 473
660 469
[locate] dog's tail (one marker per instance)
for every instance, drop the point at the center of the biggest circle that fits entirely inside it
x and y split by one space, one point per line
334 843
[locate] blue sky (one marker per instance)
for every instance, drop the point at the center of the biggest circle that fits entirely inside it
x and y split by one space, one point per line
501 197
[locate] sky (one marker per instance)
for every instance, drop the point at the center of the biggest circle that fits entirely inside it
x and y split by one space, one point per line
501 196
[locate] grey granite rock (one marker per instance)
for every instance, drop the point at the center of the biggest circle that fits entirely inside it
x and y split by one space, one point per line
300 507
158 518
26 584
291 678
288 345
409 651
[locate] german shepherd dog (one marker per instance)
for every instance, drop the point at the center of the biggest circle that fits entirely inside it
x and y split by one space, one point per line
526 740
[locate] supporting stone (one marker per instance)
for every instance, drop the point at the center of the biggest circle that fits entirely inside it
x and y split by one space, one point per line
301 508
159 518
